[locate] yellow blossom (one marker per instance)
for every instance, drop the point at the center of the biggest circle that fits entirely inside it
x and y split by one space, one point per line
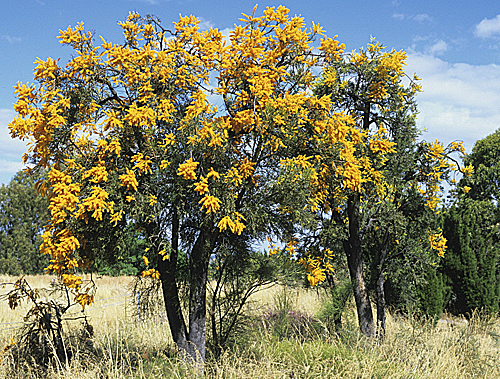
142 163
164 164
202 186
316 277
187 169
164 254
438 243
226 222
152 200
211 203
117 216
213 174
129 180
468 170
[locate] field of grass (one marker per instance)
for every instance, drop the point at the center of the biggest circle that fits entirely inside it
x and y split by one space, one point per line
124 346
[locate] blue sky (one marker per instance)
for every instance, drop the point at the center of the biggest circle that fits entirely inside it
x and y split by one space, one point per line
454 46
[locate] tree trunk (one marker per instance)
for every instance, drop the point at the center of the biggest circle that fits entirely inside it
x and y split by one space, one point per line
381 317
352 248
167 270
380 305
173 305
200 255
192 341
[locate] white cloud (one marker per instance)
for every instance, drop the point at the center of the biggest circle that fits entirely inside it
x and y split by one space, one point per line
11 39
459 101
8 169
423 17
488 28
438 48
205 24
429 44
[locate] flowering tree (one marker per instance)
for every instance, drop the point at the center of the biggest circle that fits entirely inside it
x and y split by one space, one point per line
128 136
198 140
364 189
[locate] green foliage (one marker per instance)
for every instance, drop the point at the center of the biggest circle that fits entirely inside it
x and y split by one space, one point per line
125 256
335 303
23 214
470 263
430 294
484 183
472 225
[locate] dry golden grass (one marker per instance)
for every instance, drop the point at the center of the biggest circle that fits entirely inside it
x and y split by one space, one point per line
125 347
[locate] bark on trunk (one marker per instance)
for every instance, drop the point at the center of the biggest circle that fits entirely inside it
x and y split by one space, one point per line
167 270
380 305
198 300
381 316
352 248
191 341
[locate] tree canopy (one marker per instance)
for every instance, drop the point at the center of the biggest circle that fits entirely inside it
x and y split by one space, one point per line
484 183
470 267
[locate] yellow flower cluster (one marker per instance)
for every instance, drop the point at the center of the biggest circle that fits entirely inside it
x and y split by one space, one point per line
291 247
437 155
151 272
210 203
235 226
84 299
318 268
64 195
187 170
72 281
152 200
96 203
273 249
380 143
97 173
142 163
129 180
438 243
46 69
74 36
202 186
164 254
